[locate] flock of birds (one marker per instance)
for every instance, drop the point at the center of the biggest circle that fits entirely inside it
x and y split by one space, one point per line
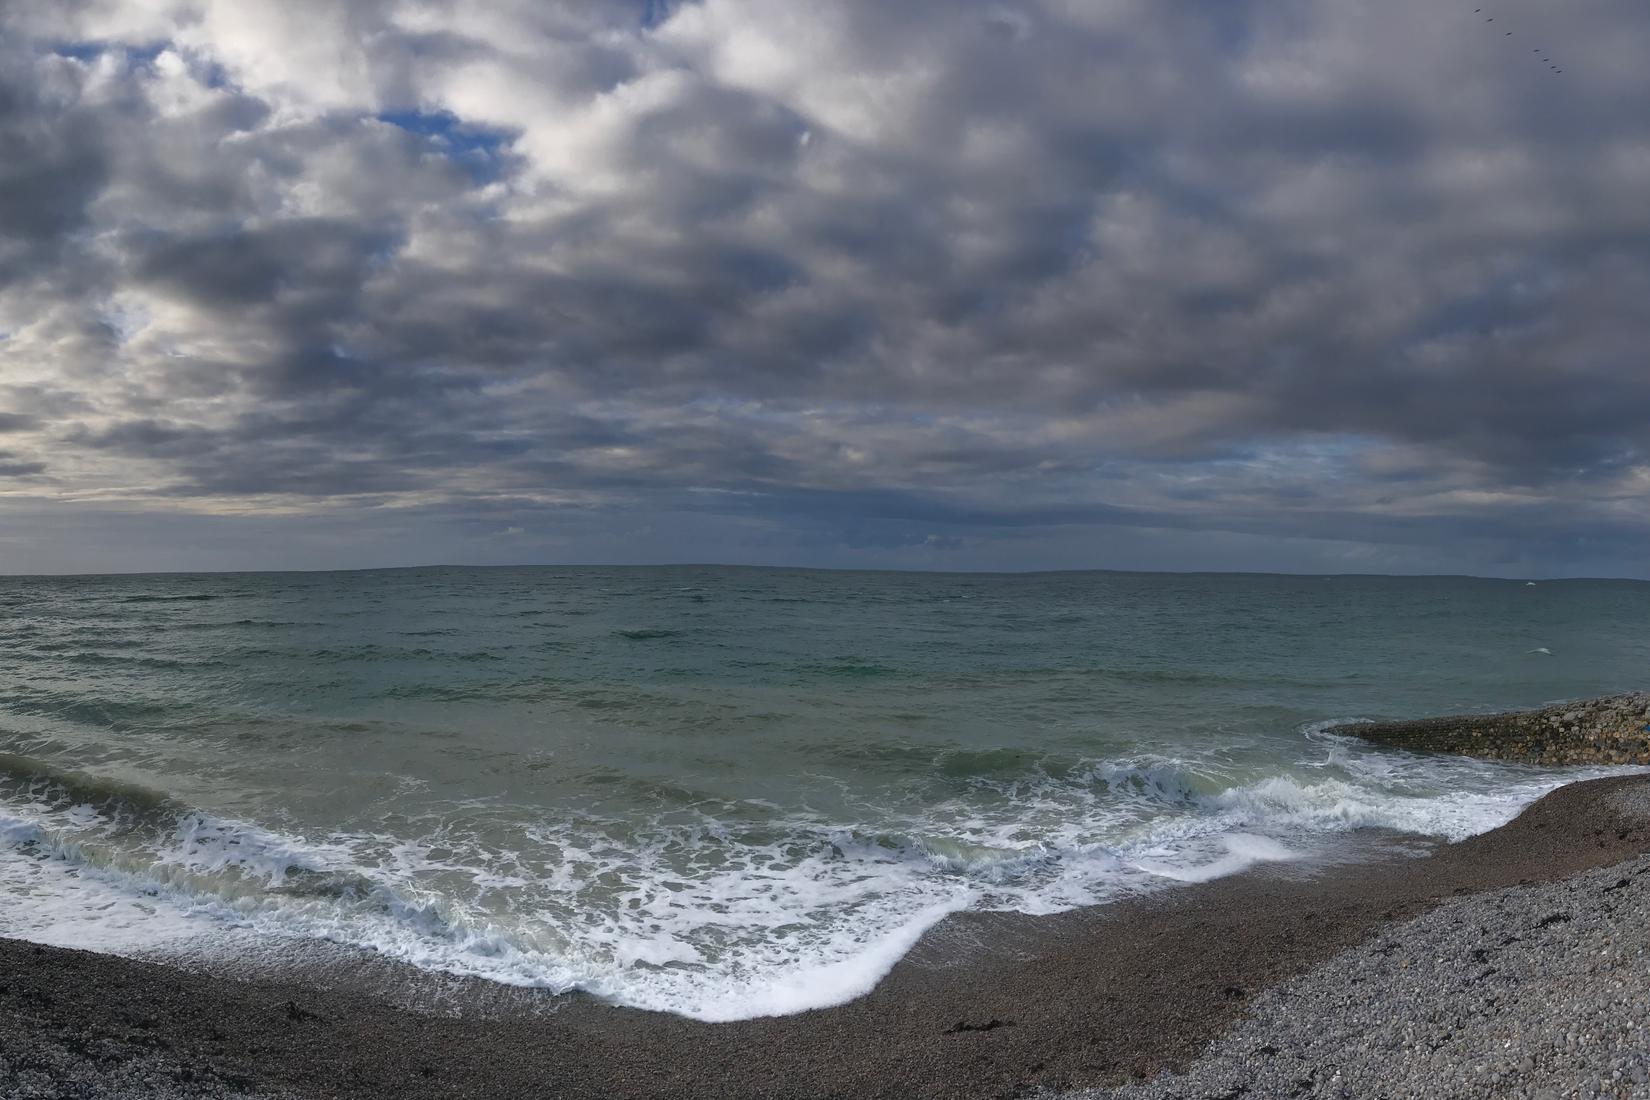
1491 19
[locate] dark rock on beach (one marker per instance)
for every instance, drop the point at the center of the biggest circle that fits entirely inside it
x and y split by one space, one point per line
1611 730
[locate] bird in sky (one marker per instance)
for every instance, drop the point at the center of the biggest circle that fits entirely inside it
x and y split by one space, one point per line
1508 34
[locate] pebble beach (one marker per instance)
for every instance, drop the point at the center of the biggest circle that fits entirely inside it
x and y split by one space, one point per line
1510 964
1538 991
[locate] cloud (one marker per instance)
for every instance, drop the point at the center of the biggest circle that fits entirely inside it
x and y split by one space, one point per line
991 284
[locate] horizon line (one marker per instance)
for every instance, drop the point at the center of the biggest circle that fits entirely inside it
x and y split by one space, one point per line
1529 578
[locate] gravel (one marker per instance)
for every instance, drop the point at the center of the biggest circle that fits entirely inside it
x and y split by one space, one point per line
59 1070
1539 991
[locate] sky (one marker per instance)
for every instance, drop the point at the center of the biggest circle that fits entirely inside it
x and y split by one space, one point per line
1286 285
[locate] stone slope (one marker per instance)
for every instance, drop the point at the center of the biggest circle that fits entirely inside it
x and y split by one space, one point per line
1611 730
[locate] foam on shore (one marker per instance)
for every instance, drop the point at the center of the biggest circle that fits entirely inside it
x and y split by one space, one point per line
1069 1000
811 914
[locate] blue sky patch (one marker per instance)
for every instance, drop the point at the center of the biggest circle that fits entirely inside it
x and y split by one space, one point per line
477 149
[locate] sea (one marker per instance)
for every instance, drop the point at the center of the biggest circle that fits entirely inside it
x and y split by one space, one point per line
727 792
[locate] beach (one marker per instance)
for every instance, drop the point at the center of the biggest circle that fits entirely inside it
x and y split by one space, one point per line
745 549
1531 991
705 831
987 1005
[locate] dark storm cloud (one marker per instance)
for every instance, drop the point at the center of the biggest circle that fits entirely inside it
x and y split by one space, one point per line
956 278
11 467
52 161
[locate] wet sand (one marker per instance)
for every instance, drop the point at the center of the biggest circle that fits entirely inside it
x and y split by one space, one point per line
986 1006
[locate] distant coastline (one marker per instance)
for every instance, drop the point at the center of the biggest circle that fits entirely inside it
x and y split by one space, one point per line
1509 578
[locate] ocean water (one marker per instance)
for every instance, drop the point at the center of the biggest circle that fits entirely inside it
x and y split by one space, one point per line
726 792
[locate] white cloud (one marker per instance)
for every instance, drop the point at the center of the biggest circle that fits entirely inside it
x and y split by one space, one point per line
995 264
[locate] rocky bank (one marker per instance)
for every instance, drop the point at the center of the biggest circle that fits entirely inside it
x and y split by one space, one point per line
1611 730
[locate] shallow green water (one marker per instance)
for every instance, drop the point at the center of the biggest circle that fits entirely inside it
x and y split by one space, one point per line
725 791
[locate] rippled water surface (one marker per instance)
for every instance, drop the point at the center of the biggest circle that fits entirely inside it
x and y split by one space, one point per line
725 791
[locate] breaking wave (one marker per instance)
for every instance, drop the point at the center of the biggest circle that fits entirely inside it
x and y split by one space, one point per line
714 910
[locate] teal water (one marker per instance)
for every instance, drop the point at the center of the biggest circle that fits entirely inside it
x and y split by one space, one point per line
725 791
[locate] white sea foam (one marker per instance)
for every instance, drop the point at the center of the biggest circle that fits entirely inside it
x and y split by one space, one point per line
701 918
1243 850
52 897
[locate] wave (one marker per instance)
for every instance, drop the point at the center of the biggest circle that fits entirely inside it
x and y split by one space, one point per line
46 785
88 710
704 906
136 836
120 660
119 824
192 597
848 668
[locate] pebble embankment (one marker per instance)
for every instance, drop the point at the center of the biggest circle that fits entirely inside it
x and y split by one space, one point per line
1530 991
1611 730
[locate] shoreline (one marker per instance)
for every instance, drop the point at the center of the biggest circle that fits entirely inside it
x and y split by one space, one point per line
986 1004
1532 992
